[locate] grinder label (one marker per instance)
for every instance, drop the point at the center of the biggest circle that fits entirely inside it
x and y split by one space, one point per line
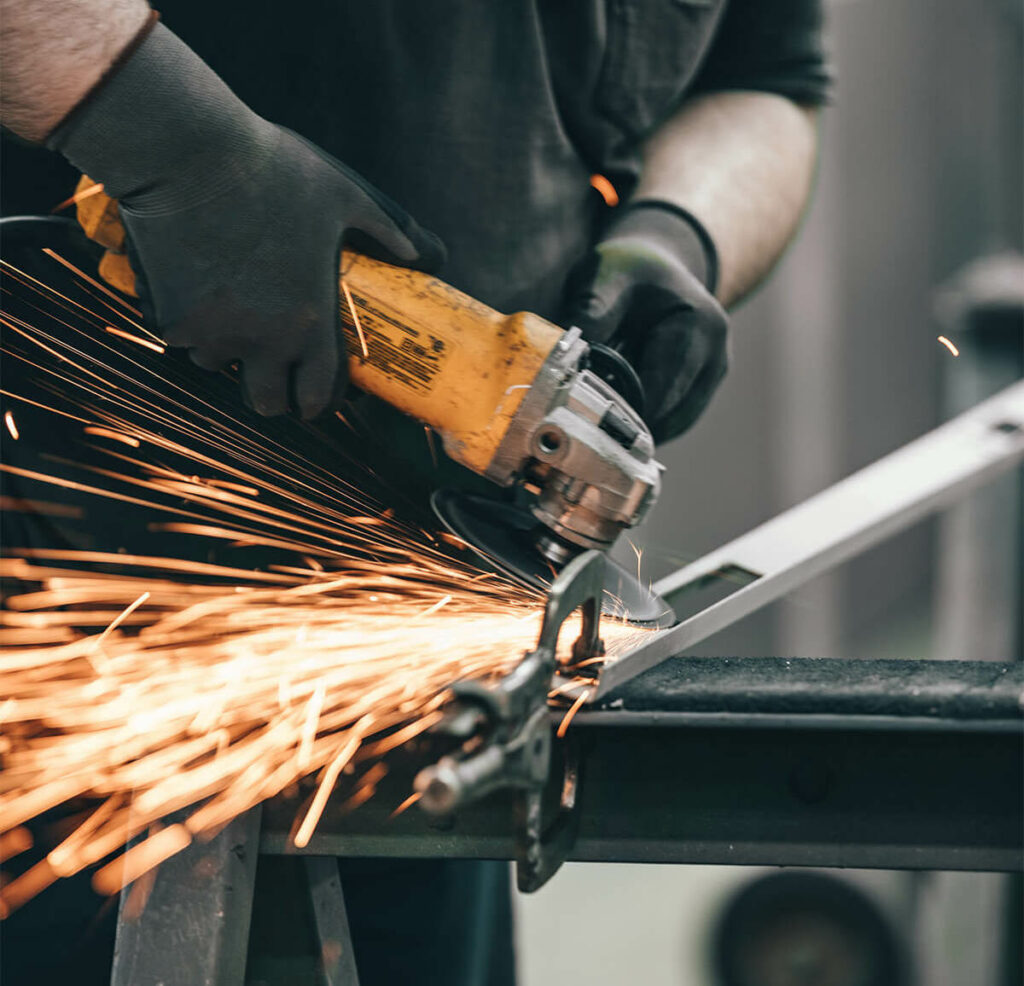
392 347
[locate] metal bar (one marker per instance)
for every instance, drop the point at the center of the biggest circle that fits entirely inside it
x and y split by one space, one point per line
836 524
672 785
325 894
194 927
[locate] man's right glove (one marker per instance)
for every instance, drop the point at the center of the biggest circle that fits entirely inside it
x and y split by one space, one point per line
647 289
235 225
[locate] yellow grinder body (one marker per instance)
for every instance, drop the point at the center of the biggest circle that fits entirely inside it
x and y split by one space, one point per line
510 395
439 355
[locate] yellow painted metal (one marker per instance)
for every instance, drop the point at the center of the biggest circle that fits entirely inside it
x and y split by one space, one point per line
439 355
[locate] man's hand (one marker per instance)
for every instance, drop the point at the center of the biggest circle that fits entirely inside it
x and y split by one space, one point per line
644 291
235 224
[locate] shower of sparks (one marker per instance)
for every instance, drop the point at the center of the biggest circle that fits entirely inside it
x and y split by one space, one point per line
152 685
12 428
945 342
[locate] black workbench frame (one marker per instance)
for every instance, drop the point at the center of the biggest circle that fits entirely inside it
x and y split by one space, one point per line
813 762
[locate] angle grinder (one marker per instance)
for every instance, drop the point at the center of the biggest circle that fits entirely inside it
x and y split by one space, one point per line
513 398
521 402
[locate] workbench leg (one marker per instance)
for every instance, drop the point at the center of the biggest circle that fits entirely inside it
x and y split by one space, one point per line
194 927
325 894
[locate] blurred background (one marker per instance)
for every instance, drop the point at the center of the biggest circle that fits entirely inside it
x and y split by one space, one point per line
915 231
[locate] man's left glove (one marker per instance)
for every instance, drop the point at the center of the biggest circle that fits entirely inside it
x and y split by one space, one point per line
647 290
235 224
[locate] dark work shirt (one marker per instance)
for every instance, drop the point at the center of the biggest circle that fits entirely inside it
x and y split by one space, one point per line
486 120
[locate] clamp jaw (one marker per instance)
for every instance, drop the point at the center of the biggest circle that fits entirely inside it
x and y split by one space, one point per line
514 724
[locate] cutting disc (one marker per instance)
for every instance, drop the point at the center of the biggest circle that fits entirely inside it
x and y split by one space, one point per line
506 536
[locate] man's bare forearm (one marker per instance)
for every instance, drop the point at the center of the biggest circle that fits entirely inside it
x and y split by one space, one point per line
52 52
743 164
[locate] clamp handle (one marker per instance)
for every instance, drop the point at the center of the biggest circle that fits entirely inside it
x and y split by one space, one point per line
514 713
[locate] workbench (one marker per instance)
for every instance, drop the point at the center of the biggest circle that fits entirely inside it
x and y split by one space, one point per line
809 762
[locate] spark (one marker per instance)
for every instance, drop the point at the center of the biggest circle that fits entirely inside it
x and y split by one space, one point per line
236 488
122 616
430 443
563 726
38 507
309 727
437 606
156 347
945 342
12 427
330 778
606 190
111 434
407 803
14 843
355 319
639 552
141 858
85 193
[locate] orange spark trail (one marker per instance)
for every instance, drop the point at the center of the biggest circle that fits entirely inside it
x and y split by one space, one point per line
99 285
407 803
563 726
113 435
11 426
945 342
156 347
77 197
606 190
355 319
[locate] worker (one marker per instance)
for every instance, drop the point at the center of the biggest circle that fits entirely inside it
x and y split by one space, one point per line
633 168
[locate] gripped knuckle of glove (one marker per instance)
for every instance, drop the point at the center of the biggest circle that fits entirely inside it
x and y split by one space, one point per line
266 388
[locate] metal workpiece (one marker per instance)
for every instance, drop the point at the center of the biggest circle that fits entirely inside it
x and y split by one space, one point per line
808 693
579 441
833 526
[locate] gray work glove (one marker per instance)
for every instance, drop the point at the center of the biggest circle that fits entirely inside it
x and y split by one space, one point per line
235 224
647 290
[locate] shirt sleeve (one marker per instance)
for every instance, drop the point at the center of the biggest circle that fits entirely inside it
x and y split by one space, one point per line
769 46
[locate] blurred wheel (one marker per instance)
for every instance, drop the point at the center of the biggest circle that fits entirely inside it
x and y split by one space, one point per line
805 929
